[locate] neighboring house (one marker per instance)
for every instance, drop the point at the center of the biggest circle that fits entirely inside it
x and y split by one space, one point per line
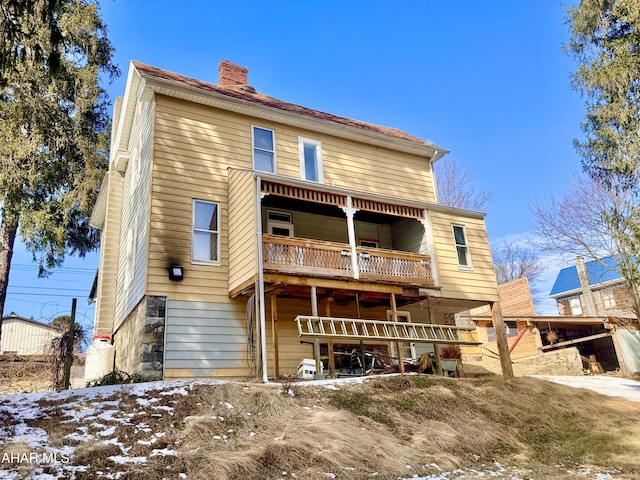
595 289
24 336
592 288
241 234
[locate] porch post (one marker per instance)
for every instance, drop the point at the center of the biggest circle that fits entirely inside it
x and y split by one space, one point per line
618 350
394 318
436 347
426 246
501 340
274 333
350 212
316 342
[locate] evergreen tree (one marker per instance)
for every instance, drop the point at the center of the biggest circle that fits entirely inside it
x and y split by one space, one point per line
605 40
54 127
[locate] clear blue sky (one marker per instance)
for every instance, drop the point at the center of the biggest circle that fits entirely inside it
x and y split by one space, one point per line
487 81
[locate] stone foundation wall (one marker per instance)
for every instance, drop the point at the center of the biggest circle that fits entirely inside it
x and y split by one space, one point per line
139 342
565 361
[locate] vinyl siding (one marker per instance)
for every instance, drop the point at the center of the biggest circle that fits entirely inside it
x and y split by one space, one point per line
332 229
25 338
205 339
109 257
194 145
478 284
243 263
408 236
373 231
312 226
135 213
290 349
357 166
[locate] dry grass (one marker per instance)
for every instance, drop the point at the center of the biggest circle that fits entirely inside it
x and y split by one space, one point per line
251 432
24 376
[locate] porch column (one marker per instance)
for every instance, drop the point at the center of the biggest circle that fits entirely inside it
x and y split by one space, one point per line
618 350
426 245
394 318
436 347
274 333
501 340
332 360
350 212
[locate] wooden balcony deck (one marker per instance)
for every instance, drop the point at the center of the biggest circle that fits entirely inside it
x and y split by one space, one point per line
329 259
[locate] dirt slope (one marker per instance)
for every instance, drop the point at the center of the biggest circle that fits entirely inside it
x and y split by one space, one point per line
385 428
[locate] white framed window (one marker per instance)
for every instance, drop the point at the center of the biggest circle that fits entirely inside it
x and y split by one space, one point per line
462 247
310 160
280 223
608 299
264 149
205 243
575 306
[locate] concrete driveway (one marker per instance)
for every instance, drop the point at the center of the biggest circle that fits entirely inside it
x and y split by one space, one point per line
612 386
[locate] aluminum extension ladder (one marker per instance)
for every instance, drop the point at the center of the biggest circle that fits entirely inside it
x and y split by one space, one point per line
359 329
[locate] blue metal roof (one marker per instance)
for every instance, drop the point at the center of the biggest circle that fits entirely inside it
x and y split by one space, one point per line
568 280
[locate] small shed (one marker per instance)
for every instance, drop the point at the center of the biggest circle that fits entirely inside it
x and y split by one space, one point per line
25 336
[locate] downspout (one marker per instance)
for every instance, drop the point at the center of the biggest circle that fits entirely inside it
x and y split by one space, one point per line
434 182
260 292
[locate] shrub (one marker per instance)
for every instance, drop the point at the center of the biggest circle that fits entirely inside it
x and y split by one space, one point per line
452 351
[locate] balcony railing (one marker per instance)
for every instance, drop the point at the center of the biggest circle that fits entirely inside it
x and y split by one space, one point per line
316 257
298 255
379 264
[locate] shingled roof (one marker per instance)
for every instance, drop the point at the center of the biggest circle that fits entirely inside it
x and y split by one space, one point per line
249 94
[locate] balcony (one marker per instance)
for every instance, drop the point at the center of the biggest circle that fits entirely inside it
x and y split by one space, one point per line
300 256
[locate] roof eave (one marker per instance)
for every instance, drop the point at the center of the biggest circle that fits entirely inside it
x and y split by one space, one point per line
237 105
99 213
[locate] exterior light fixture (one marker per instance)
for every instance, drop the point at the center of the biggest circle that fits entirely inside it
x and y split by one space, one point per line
176 273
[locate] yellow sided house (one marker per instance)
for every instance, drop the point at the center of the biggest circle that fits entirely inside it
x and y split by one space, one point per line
242 234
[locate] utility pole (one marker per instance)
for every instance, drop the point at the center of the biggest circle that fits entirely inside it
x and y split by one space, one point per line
72 334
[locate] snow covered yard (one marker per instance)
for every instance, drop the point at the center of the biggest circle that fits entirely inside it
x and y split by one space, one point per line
399 427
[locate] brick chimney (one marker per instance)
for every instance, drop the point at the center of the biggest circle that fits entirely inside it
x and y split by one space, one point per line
230 74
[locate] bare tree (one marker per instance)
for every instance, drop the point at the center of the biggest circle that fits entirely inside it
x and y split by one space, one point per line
455 186
514 261
594 222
